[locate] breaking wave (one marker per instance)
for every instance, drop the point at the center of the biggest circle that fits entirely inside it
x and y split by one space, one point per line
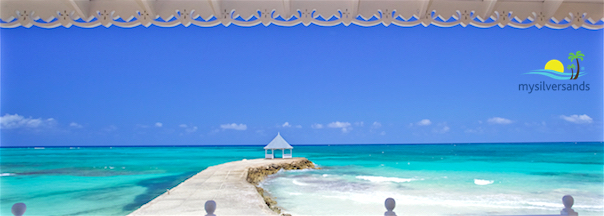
385 179
483 182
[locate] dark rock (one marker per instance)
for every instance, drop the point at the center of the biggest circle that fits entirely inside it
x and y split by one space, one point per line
256 175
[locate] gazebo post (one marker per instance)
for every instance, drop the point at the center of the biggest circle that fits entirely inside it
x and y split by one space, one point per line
266 154
287 155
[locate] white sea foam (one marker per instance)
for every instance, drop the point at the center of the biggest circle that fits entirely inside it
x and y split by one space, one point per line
299 183
420 201
6 174
300 170
385 179
483 182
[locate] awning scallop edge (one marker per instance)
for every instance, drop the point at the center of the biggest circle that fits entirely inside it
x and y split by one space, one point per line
553 14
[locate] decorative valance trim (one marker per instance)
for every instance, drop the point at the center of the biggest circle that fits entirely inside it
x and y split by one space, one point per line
555 14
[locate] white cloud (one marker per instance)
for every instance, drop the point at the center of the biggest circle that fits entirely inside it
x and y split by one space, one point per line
188 129
534 124
338 124
477 130
578 119
441 128
383 133
75 125
191 129
359 124
344 125
317 126
234 126
16 121
499 120
287 124
424 122
110 128
159 124
376 125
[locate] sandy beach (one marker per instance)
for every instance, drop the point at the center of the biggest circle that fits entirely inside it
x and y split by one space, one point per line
231 185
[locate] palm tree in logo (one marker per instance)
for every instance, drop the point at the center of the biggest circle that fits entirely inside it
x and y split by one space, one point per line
576 56
571 67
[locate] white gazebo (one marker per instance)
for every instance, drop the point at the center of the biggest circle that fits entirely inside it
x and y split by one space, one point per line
277 143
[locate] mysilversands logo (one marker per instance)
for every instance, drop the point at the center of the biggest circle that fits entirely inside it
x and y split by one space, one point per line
555 69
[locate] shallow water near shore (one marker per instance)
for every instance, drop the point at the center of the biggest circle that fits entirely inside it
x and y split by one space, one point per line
455 179
488 179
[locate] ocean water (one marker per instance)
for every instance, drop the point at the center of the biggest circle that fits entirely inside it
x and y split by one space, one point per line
443 179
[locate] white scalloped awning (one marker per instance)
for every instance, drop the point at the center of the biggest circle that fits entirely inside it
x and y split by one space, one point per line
557 14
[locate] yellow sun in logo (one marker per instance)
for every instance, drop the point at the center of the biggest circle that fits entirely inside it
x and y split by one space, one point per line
554 65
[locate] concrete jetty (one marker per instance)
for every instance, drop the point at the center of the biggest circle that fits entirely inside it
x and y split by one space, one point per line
229 184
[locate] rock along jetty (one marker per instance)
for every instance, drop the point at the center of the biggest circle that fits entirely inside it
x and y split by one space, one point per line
232 185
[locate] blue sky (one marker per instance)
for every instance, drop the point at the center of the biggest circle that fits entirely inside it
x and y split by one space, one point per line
315 85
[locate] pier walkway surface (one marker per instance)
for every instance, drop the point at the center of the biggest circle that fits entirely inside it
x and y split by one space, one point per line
226 184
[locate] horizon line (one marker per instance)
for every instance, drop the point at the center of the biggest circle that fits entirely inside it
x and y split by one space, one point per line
235 145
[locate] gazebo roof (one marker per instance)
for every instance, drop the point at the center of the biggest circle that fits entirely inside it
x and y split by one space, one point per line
278 143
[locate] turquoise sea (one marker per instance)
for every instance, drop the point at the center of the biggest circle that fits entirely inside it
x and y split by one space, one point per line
426 179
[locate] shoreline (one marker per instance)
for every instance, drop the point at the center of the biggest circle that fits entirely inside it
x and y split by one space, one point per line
233 186
257 175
